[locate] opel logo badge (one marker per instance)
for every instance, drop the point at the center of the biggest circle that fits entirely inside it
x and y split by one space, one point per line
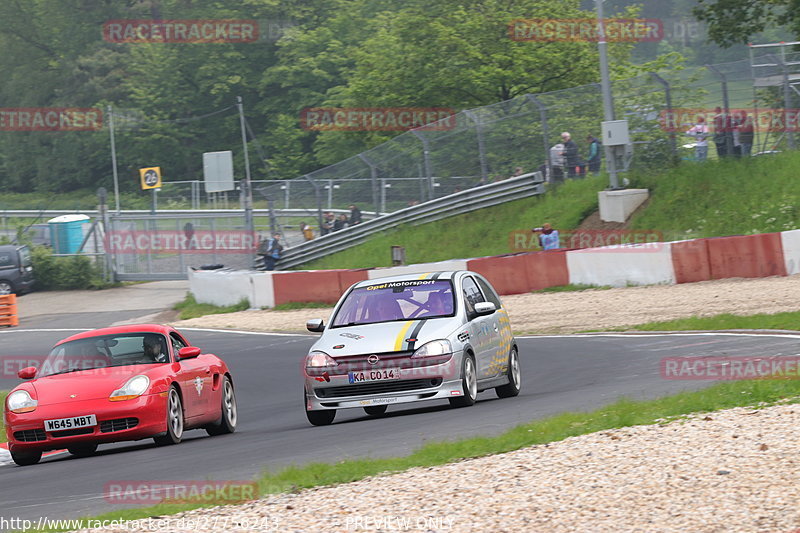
372 359
72 395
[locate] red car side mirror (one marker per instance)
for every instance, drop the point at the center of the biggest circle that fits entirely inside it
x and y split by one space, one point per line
29 372
188 352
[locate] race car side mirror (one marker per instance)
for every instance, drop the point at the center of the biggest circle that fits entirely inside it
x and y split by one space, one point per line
188 352
484 308
27 373
317 325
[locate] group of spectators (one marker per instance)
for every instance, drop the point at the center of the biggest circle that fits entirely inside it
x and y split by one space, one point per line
733 135
565 159
331 222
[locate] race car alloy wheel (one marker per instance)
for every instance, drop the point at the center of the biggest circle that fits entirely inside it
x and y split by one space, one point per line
230 414
511 388
469 384
26 458
319 418
174 420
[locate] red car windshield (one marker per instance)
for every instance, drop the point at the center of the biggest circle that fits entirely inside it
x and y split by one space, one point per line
105 351
399 300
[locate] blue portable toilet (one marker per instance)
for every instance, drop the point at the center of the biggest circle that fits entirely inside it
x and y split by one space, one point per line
66 233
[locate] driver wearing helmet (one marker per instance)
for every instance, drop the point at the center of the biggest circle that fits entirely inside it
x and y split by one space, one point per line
153 349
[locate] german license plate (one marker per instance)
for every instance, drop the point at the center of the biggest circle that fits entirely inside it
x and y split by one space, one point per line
74 422
384 374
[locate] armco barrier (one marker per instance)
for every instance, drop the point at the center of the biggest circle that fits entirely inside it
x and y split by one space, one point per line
618 266
790 242
690 261
8 310
746 256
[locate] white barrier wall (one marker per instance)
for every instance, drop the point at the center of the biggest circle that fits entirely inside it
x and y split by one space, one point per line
263 290
618 266
422 268
790 241
222 287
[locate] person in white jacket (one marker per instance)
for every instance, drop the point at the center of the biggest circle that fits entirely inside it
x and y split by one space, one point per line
700 133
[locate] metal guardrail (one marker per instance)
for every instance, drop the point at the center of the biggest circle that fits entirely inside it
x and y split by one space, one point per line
172 213
523 186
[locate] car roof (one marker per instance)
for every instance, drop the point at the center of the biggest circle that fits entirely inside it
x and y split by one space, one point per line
443 274
133 328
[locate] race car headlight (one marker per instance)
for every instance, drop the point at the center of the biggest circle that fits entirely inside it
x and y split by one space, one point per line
21 402
433 348
319 360
133 388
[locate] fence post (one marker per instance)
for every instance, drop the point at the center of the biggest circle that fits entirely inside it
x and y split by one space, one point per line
726 105
668 97
318 197
481 149
426 159
373 175
545 131
787 97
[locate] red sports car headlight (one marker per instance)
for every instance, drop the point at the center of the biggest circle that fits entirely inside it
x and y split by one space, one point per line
133 388
21 402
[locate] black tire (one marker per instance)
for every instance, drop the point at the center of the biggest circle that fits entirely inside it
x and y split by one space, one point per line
376 410
511 389
6 287
26 458
229 415
469 384
175 420
82 450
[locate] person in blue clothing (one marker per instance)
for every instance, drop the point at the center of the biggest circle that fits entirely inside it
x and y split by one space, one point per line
594 154
548 237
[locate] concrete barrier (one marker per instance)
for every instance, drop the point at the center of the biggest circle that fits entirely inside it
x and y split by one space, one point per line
790 242
307 286
618 266
222 287
690 261
506 273
421 268
746 256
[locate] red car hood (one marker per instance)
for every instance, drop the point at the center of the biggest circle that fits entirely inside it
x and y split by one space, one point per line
97 383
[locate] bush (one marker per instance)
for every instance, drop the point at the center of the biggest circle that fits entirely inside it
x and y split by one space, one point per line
64 273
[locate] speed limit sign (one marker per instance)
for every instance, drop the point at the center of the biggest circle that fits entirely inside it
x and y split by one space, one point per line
150 177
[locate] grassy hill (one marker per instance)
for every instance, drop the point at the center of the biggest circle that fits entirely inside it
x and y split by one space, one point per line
715 198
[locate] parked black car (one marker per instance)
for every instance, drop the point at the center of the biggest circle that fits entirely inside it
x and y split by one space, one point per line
16 269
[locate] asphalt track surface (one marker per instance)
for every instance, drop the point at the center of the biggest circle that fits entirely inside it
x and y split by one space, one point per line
569 373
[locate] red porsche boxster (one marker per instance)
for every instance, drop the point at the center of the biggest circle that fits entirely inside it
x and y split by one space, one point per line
118 384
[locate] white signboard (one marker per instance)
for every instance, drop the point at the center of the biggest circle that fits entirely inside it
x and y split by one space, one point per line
218 171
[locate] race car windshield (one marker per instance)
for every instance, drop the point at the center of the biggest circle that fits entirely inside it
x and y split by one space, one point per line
399 300
105 351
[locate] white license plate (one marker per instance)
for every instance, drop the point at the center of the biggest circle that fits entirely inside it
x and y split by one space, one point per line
75 422
384 374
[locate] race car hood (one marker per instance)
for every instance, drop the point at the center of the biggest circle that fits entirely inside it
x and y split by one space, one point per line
384 337
92 384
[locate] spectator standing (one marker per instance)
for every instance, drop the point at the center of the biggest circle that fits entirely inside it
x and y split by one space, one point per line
340 223
700 133
273 251
557 163
188 231
327 223
548 237
570 153
518 172
746 135
308 233
355 215
594 154
723 133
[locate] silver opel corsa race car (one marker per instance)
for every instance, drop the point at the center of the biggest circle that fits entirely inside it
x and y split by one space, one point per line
407 339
